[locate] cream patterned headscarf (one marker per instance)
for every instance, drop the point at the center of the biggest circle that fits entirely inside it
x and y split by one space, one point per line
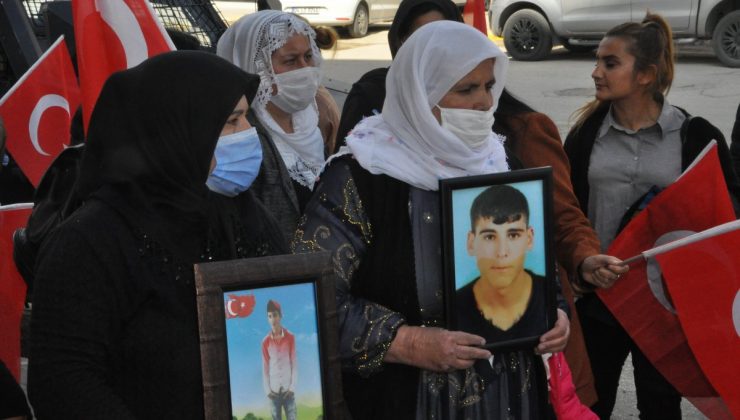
249 44
406 141
251 40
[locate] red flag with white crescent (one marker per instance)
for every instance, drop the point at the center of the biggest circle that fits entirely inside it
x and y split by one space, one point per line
239 306
703 279
37 111
113 35
697 201
12 287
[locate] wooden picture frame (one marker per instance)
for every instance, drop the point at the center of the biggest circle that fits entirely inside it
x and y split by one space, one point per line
236 290
500 279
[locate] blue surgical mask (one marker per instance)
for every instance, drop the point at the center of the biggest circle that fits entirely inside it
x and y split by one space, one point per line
238 159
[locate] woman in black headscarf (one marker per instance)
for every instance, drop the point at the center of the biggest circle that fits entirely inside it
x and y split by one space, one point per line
114 327
367 94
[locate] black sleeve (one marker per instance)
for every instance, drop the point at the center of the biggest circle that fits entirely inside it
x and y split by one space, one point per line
735 144
73 326
335 221
12 399
14 186
562 303
363 100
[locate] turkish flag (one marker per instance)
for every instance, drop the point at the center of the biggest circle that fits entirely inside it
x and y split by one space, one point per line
12 287
703 279
113 35
37 111
239 306
474 14
697 201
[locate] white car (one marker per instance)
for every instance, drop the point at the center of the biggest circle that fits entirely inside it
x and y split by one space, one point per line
355 15
232 10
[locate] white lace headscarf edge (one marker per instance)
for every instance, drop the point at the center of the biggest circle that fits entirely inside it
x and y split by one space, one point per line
250 41
406 141
249 44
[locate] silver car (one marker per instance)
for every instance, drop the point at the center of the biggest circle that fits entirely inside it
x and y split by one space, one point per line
355 15
530 27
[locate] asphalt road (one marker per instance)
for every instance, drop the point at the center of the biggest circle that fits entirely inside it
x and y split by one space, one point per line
558 86
561 84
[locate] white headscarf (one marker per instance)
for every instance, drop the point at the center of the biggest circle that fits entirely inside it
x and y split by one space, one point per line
406 141
249 44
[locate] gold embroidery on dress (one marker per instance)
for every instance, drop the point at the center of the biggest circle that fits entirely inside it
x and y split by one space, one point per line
345 261
472 388
377 325
301 245
353 211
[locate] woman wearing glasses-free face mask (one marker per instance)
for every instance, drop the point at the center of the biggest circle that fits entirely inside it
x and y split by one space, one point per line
377 210
281 48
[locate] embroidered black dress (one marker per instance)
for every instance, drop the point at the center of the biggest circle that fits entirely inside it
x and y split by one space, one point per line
114 329
371 223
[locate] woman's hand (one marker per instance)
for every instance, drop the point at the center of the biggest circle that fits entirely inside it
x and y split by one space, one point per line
555 340
602 270
436 349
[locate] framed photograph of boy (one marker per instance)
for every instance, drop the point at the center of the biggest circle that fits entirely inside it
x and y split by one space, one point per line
269 338
498 260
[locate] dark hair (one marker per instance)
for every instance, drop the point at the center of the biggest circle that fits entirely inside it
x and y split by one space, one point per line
409 10
509 113
415 12
274 306
510 105
326 37
651 43
502 203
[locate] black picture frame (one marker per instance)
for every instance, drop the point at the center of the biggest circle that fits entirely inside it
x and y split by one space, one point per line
522 329
215 281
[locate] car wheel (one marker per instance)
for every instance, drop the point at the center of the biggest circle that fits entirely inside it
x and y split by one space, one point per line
359 26
726 39
527 36
577 48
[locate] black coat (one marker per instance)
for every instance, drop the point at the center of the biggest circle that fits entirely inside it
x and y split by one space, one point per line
114 324
735 144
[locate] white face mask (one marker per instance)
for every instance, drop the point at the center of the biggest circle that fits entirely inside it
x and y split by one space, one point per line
471 126
296 89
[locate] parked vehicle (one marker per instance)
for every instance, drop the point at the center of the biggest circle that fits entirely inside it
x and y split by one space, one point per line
355 15
531 27
232 10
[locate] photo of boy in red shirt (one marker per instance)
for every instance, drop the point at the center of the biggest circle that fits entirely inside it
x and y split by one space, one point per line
279 370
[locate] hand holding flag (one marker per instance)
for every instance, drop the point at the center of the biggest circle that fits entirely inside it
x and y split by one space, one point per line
697 201
688 240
